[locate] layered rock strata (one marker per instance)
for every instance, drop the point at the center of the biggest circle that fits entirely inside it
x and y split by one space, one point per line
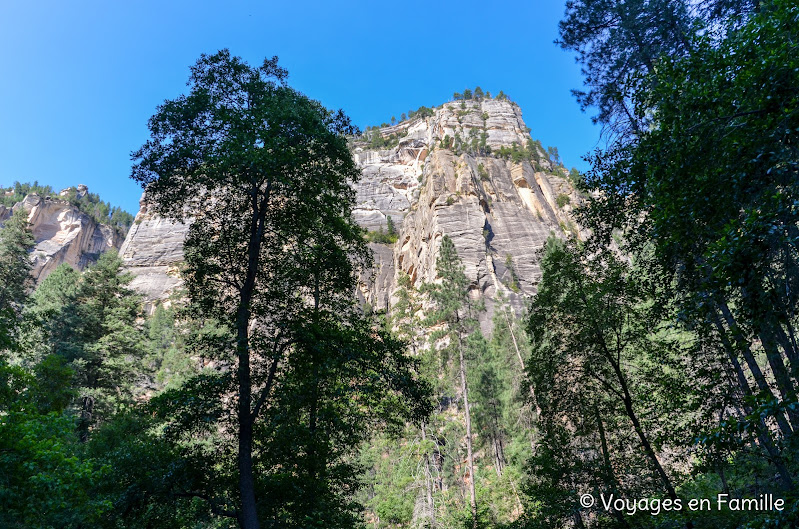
152 252
497 211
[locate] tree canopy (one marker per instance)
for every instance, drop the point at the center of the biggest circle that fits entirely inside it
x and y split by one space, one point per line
264 173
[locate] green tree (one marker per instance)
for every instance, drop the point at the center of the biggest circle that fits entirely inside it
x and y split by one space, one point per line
53 314
616 42
453 306
478 93
112 341
593 339
723 239
43 480
16 241
272 258
90 320
391 230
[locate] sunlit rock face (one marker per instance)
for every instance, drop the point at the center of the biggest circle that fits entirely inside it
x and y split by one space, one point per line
498 212
152 252
63 234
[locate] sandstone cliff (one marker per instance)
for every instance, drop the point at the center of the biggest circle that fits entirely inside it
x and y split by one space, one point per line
497 211
63 234
152 252
446 174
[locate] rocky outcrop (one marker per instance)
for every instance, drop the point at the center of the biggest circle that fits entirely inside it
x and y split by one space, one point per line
152 252
497 211
441 176
63 234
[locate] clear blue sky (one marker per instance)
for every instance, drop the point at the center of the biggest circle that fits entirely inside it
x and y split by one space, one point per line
79 79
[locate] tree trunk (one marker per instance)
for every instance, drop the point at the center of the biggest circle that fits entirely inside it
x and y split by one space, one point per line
428 479
86 414
248 516
754 367
467 414
763 436
648 450
610 475
781 377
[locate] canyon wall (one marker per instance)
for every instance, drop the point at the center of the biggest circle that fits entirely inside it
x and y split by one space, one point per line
63 234
466 171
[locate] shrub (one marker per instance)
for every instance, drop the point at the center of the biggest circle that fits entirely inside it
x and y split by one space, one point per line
481 170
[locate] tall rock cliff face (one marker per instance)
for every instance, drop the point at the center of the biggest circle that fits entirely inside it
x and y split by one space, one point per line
440 180
435 177
63 234
152 252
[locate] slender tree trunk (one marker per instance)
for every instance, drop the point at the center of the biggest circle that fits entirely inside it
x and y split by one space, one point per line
513 337
754 367
780 372
610 475
647 446
86 414
639 431
467 414
248 515
428 479
788 344
763 436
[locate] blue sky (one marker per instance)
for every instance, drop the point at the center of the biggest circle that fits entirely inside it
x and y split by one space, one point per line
79 79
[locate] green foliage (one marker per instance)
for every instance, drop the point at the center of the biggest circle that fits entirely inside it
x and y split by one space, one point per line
272 264
16 241
482 172
513 281
43 481
90 321
167 341
376 140
601 364
562 200
16 193
388 236
421 112
89 203
576 178
554 157
666 340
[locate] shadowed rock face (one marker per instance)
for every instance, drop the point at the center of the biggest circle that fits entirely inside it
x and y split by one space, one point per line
63 234
498 216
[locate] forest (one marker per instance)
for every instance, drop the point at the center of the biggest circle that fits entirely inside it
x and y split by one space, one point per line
650 383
